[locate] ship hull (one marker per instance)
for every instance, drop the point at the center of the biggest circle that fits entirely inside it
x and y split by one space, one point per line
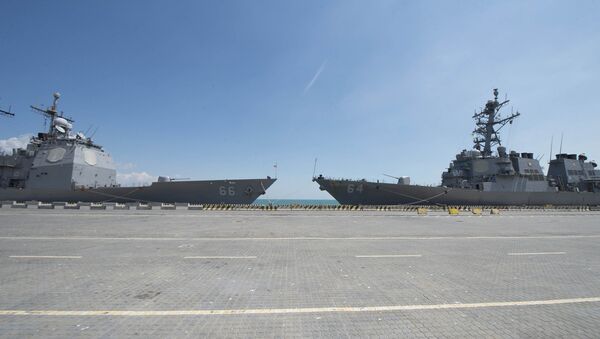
358 192
242 191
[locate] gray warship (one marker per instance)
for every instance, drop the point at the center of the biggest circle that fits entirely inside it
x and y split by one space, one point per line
62 166
483 177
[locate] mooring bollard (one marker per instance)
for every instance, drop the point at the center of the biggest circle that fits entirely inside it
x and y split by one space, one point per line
97 206
121 206
45 206
71 206
164 206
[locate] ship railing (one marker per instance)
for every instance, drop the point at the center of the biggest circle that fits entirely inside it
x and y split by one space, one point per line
383 181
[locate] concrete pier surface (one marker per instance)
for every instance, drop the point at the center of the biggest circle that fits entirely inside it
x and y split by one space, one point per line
179 273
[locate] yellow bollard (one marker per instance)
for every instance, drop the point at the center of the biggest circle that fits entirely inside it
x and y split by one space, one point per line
453 211
476 211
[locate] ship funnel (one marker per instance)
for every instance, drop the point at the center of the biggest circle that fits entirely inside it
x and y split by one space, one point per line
502 152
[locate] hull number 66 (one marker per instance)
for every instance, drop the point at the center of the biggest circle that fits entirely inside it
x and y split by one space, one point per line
227 190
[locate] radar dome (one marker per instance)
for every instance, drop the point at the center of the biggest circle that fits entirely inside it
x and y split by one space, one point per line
62 124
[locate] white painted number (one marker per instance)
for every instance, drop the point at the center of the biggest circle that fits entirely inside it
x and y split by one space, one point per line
355 188
227 190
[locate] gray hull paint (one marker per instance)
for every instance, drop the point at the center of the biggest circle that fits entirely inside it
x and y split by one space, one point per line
372 193
240 191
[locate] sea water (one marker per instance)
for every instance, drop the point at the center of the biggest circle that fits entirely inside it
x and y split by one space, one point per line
280 202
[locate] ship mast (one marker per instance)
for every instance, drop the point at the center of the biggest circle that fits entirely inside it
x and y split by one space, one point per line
51 113
489 122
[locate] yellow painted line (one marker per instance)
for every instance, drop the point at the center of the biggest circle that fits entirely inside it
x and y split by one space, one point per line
220 257
389 256
537 253
46 256
340 309
500 237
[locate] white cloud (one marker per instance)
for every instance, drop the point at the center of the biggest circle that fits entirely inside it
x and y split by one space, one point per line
7 145
135 179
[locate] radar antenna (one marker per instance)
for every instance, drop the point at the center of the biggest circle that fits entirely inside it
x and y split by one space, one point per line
7 113
52 112
489 122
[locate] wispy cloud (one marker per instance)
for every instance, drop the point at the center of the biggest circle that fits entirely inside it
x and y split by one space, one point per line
127 166
7 145
315 77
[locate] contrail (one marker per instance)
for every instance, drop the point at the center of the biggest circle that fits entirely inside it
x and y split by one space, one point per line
315 77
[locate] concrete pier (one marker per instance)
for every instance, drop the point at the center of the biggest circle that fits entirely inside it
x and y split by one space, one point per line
298 273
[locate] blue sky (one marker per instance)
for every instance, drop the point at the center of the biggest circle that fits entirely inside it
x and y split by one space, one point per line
223 89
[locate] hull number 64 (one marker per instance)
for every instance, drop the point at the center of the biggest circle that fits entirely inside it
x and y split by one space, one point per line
355 188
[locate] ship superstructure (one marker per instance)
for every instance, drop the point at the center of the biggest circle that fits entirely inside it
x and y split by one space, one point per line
481 169
57 159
